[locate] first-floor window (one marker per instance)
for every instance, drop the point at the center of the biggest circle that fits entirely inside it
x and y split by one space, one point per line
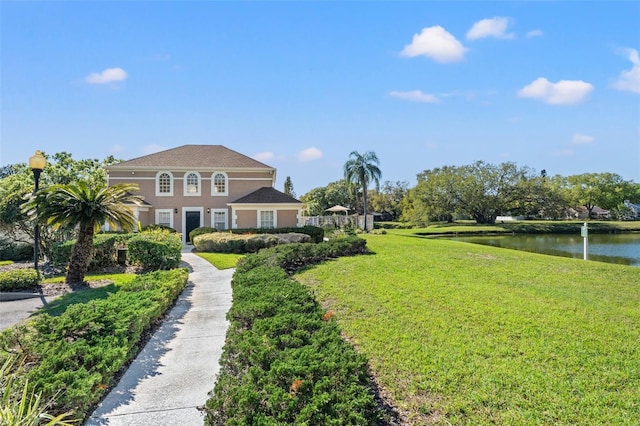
220 219
164 217
267 219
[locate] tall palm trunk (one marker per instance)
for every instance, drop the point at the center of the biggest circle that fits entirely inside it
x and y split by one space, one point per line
80 256
364 205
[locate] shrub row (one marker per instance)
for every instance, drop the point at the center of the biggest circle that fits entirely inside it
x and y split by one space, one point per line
201 231
291 257
152 249
316 233
74 357
15 251
223 242
104 250
284 360
18 279
156 249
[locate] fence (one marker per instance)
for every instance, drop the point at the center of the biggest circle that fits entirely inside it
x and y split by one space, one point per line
339 221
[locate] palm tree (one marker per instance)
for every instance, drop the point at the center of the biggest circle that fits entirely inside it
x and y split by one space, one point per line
361 170
86 207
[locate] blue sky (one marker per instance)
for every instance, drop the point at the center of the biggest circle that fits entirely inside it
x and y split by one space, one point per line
299 85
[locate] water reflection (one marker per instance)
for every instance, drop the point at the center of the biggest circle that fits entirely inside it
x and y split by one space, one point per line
612 248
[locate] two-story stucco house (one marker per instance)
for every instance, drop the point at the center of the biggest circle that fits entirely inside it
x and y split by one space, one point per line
206 185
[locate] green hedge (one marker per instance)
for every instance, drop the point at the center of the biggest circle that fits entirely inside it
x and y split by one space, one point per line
224 242
105 248
316 233
15 251
74 357
158 249
17 279
201 231
291 257
284 360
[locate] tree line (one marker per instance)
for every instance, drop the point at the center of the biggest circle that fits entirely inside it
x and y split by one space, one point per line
482 191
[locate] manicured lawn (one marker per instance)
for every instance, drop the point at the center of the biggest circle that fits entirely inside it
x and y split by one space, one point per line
522 227
467 334
221 260
58 306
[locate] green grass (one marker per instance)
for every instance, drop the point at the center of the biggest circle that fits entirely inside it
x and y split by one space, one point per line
221 260
520 227
466 334
59 305
5 262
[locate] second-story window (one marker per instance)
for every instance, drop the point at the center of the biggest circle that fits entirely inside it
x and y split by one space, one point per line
164 184
191 184
219 184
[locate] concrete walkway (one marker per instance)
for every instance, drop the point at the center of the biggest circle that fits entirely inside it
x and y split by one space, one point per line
177 368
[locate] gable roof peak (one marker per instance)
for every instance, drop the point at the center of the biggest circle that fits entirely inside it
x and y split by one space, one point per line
193 157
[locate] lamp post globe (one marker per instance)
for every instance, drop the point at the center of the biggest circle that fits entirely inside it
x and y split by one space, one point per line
37 163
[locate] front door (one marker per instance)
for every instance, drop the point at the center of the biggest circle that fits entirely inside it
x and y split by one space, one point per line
192 221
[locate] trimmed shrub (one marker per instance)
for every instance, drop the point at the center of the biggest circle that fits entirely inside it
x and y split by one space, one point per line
316 233
154 227
105 247
15 251
223 242
75 356
291 257
159 249
18 279
200 231
284 360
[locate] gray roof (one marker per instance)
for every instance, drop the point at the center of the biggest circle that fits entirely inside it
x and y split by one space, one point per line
193 157
266 195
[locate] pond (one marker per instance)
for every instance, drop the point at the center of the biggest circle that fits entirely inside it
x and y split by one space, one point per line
612 248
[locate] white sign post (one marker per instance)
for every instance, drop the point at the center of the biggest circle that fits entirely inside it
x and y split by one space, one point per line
584 232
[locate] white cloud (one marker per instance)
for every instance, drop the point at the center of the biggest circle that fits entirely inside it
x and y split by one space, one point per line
630 80
415 96
309 154
534 33
580 139
564 92
437 44
264 156
494 27
116 149
109 75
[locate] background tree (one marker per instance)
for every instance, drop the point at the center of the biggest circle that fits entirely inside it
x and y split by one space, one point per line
361 170
605 190
17 183
318 200
480 190
84 208
288 187
389 198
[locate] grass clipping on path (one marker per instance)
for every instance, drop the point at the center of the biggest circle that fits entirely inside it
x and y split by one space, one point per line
467 334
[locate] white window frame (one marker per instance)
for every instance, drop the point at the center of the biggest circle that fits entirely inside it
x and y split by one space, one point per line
226 218
259 218
185 185
213 185
170 212
171 184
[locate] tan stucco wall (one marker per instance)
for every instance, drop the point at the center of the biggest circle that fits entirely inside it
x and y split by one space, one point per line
246 218
287 218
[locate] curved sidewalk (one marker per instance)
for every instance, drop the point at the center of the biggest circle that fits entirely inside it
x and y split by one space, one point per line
172 375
